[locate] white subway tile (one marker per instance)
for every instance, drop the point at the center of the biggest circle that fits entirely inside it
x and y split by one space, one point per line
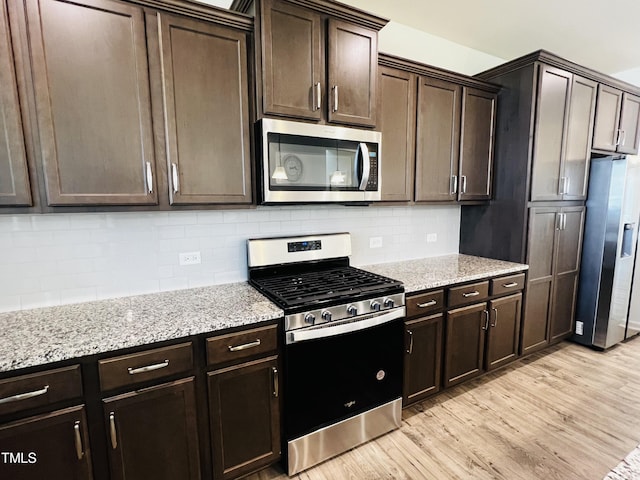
207 217
176 283
87 220
78 295
50 222
17 255
175 231
182 218
40 299
75 266
16 223
9 303
33 239
235 216
7 239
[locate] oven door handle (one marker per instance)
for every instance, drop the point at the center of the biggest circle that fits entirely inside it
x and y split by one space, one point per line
341 327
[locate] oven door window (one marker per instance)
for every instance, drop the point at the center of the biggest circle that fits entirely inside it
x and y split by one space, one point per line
313 164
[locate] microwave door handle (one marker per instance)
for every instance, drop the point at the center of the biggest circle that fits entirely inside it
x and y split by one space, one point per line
366 165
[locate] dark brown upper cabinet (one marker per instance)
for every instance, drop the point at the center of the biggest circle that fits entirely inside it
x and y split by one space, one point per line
14 177
296 40
92 100
617 127
397 122
562 148
205 97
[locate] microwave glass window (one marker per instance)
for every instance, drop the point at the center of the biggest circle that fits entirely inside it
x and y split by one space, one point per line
307 163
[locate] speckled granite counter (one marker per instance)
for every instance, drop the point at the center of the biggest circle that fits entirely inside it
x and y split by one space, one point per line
44 335
427 273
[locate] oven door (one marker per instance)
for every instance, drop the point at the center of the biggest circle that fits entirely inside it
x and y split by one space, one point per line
335 377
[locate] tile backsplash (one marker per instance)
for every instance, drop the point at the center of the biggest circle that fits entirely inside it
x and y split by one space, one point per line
68 258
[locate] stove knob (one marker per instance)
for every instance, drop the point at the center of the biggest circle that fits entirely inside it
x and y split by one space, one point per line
310 318
375 305
352 310
326 316
389 303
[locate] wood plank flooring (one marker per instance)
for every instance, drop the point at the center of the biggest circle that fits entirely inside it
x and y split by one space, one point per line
566 413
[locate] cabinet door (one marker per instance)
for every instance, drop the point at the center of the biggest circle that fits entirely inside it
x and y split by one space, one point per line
464 343
14 177
92 96
607 122
53 446
575 168
353 73
476 144
554 87
245 417
503 334
438 140
153 433
422 358
205 86
629 124
293 60
397 122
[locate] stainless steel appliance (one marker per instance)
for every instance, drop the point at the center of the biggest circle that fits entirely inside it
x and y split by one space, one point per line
343 344
304 162
609 247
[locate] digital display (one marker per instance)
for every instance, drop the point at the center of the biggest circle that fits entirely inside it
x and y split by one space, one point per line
304 246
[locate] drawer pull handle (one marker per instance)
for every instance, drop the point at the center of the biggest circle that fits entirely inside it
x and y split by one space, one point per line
24 396
471 294
112 430
237 348
148 368
495 318
410 349
276 383
78 439
430 303
486 320
510 285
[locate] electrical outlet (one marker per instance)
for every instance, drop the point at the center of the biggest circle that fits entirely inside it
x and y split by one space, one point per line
432 237
189 258
375 242
579 328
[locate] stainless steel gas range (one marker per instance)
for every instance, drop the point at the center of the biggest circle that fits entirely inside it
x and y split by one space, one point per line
343 344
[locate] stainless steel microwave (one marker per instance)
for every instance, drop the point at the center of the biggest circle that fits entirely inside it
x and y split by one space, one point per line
303 162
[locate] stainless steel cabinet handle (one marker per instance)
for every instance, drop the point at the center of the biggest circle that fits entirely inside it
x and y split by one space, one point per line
78 440
486 320
276 386
510 285
559 221
318 96
618 137
149 178
410 349
335 98
564 221
454 184
624 138
430 303
174 176
244 346
568 185
495 318
463 188
471 294
112 430
148 368
24 396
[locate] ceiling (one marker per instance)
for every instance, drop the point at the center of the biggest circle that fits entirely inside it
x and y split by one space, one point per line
600 34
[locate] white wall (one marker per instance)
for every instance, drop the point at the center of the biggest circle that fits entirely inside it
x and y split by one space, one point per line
632 76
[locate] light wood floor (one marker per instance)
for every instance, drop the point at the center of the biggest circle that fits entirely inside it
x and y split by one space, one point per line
566 413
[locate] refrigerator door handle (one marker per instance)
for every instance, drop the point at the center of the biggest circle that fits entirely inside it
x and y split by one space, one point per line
627 240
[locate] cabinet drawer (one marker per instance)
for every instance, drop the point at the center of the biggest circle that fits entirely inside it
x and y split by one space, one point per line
508 284
141 367
475 292
39 389
425 303
239 345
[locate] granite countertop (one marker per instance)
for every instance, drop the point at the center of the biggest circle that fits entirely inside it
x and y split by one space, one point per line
428 273
45 335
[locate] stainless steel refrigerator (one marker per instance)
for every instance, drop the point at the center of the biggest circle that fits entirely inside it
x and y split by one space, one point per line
608 251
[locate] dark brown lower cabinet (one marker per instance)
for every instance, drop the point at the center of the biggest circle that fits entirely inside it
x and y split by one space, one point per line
54 446
465 343
422 358
245 417
152 433
503 333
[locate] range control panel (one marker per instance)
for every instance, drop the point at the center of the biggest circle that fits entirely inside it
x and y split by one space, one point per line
304 246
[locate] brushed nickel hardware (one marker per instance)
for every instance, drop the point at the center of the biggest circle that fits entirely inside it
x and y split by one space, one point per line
149 178
335 98
78 440
475 293
454 184
486 320
410 349
174 176
564 221
618 137
24 396
566 190
148 368
495 321
244 346
510 285
389 302
559 221
624 138
463 188
112 430
276 386
318 96
430 303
